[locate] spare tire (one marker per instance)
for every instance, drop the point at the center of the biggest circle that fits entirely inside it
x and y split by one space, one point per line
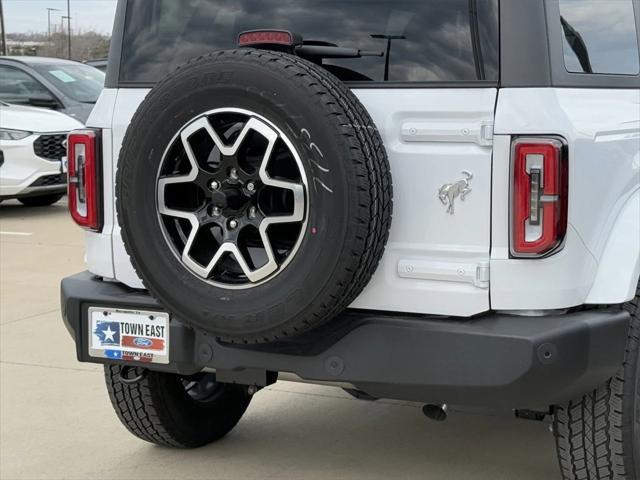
254 195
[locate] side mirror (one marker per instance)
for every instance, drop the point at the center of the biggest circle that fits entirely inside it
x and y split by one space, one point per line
44 101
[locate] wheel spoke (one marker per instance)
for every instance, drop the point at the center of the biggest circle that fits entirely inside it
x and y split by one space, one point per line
231 248
228 150
174 180
296 188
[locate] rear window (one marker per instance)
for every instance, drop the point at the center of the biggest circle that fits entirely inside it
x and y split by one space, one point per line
600 36
428 40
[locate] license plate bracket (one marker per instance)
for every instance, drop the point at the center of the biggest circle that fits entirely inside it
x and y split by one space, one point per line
128 335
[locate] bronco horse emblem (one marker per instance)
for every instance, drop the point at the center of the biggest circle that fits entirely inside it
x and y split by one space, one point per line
448 192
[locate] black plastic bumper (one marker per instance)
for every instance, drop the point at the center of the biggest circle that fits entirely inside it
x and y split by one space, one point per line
496 360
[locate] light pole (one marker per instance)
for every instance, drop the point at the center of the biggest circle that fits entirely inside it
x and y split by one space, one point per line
49 10
68 33
3 35
69 26
386 59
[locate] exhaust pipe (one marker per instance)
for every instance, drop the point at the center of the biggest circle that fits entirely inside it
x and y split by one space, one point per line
437 413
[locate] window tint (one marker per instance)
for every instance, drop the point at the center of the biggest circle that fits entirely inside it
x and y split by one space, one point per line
81 83
600 36
434 40
18 87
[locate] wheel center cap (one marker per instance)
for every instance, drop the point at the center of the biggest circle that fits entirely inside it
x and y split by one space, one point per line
236 200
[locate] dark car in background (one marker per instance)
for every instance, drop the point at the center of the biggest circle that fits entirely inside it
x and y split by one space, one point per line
99 63
64 85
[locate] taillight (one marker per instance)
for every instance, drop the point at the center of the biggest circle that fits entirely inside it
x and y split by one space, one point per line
539 196
84 183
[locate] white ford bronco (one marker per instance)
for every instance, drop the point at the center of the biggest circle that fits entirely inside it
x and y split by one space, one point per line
235 183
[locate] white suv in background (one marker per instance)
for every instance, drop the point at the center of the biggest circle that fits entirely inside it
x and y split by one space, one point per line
33 154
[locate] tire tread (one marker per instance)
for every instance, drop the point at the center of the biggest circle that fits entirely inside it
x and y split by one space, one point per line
594 435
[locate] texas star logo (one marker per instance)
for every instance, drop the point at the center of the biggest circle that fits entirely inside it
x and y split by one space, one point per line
450 191
108 333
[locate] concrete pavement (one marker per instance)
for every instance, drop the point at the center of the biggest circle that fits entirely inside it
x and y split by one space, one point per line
56 420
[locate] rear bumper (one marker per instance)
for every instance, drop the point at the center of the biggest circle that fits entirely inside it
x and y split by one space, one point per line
495 360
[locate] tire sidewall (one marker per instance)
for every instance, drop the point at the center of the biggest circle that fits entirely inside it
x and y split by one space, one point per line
213 86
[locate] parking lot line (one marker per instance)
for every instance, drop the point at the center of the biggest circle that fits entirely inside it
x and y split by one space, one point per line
17 234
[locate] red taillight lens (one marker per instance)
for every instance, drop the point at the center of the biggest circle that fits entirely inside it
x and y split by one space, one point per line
539 197
265 37
83 173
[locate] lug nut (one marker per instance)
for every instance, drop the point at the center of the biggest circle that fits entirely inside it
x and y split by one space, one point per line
215 185
251 186
233 224
252 213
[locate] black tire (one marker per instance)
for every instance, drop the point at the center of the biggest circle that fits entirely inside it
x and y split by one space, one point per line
159 410
598 436
41 200
348 221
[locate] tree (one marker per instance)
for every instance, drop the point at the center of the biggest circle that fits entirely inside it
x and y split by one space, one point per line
86 45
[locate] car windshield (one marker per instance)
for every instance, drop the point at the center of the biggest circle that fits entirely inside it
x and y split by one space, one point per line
78 82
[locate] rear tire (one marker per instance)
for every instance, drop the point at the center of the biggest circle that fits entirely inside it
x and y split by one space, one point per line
41 200
162 409
598 436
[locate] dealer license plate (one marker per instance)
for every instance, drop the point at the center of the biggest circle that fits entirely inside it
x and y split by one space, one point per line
129 335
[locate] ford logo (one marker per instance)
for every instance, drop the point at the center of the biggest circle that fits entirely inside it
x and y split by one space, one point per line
142 342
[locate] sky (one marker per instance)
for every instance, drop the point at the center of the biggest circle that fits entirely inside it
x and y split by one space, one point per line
24 16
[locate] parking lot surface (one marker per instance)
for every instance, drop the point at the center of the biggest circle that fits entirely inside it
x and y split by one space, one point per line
56 420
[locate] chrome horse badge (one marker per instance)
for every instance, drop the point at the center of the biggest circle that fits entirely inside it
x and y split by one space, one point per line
448 192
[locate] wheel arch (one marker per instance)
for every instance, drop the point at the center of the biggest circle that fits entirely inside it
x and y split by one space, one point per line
619 266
